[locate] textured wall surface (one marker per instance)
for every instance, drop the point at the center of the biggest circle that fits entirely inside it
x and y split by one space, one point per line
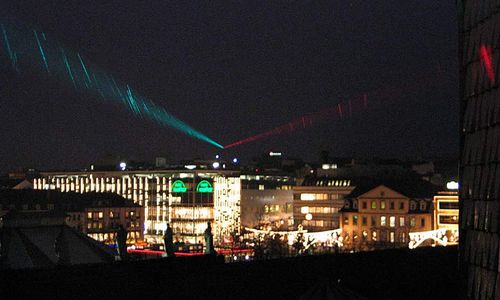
479 29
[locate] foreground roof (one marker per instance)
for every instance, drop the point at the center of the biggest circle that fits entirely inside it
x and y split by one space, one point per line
41 240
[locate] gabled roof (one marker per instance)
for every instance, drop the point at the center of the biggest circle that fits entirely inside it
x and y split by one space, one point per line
409 186
381 186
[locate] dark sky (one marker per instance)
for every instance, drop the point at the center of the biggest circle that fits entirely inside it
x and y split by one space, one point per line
234 69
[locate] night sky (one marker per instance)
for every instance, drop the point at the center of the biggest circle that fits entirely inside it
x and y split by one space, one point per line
235 69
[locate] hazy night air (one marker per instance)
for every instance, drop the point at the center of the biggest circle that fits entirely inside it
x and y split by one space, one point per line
231 72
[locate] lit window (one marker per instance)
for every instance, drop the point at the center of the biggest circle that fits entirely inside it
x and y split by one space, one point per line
89 225
374 204
307 197
346 220
304 209
111 215
383 221
101 215
401 221
89 215
392 221
261 187
392 237
402 237
382 204
374 235
412 222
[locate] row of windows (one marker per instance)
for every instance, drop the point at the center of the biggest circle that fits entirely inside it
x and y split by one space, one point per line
317 210
316 196
110 237
318 223
276 208
382 204
374 236
448 219
112 225
383 221
448 205
112 215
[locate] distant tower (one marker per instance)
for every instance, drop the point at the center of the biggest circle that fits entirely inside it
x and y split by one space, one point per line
479 60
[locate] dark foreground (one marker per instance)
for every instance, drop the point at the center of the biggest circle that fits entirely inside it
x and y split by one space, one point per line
391 274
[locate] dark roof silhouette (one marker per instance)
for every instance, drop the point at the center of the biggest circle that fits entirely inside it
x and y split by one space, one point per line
42 240
409 186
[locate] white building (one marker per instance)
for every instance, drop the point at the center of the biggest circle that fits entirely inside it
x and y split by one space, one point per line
187 199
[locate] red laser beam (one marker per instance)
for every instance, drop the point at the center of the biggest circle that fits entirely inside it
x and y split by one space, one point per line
336 112
486 58
344 110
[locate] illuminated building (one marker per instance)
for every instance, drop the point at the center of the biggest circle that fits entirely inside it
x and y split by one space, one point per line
316 203
188 199
479 51
267 200
446 214
380 217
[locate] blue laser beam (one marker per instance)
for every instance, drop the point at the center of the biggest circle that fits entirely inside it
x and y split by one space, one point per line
42 52
10 53
64 67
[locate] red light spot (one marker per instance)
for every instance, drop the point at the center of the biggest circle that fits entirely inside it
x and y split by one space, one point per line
485 53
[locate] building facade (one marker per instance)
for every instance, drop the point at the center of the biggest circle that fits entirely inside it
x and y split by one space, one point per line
383 218
479 61
316 203
187 199
267 201
446 214
102 221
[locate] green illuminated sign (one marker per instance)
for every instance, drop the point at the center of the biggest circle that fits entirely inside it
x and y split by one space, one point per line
178 187
204 187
